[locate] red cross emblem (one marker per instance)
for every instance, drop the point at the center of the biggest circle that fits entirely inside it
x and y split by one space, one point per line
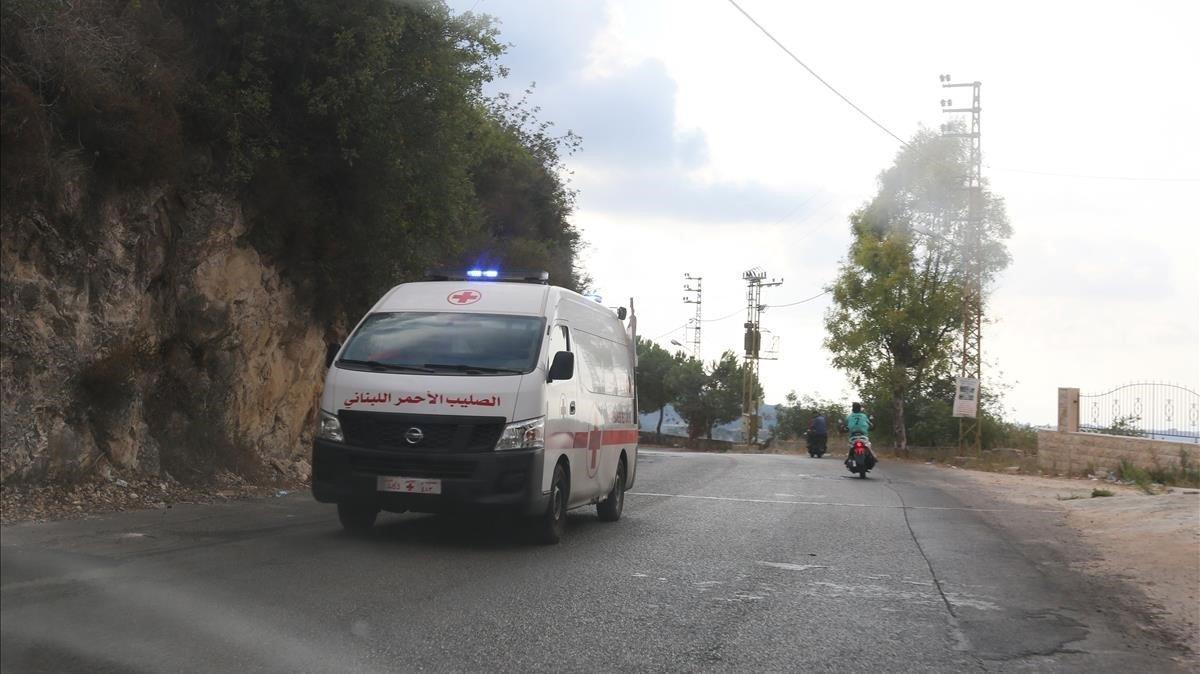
461 297
595 441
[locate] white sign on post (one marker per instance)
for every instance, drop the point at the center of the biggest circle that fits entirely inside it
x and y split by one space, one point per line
966 400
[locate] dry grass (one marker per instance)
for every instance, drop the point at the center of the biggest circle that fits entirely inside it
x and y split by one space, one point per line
992 461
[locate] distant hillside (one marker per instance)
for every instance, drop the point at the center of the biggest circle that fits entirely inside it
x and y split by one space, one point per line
673 424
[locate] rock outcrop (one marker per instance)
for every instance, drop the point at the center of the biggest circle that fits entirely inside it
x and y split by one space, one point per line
164 345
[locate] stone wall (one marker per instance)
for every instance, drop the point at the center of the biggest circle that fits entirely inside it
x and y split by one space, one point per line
1062 452
141 334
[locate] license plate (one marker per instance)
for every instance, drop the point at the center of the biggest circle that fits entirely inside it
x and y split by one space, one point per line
408 485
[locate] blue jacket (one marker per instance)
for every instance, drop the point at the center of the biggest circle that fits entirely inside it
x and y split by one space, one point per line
818 425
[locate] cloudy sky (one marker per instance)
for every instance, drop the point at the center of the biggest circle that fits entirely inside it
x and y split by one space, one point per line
707 150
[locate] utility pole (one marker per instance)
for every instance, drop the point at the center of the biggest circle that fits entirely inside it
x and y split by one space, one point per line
755 281
971 357
693 286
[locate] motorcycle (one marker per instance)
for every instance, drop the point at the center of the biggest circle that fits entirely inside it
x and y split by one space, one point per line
861 458
816 444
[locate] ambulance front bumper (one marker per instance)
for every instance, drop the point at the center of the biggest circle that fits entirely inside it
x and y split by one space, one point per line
508 480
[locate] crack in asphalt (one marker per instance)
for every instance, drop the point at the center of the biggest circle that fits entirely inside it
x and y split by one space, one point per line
959 635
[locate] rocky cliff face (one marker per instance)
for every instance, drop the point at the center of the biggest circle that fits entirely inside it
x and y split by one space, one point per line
164 345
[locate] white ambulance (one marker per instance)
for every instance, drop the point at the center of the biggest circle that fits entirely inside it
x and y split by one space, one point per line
481 391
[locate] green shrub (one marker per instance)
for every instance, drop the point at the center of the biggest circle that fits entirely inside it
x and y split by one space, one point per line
1126 425
1189 472
1187 475
1131 473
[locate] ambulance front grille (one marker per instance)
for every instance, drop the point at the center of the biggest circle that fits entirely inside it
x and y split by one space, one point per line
440 433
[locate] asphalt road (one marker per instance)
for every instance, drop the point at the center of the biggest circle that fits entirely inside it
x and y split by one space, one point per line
721 562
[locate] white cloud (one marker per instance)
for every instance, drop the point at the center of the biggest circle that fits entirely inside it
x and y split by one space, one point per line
703 141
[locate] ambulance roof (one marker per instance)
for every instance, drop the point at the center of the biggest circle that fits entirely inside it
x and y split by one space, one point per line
484 297
501 297
512 298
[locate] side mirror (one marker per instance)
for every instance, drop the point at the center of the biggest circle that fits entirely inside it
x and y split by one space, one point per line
562 367
331 352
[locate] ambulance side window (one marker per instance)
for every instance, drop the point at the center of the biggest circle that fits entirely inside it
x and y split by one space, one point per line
560 340
605 365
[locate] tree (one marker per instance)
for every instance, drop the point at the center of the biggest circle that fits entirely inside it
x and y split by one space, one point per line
710 396
363 145
928 420
689 380
897 299
726 384
654 381
796 412
525 201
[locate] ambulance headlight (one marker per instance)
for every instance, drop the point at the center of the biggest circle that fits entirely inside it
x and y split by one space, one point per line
329 428
526 434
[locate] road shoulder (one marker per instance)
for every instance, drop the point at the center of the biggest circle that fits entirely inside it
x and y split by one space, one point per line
1149 545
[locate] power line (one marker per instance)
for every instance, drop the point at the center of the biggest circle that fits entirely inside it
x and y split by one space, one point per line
1166 179
729 315
706 320
751 19
807 299
735 312
670 332
814 74
816 229
798 208
819 208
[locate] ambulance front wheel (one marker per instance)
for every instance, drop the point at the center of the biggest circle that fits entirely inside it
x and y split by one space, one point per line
610 508
554 522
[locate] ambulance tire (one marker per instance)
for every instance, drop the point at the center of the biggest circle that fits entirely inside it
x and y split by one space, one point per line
357 518
553 523
610 508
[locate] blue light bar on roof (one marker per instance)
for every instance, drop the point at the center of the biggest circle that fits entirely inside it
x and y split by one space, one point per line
490 274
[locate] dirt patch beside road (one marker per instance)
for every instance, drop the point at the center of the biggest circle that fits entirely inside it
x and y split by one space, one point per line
25 503
1152 542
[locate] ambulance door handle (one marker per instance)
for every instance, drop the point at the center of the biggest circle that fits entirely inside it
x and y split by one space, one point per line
572 407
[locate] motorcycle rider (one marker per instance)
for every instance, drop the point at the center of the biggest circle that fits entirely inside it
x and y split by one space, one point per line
818 433
858 425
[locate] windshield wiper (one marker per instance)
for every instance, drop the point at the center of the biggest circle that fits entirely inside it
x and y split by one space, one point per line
384 367
473 369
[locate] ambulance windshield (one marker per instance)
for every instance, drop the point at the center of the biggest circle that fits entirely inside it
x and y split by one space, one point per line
445 343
